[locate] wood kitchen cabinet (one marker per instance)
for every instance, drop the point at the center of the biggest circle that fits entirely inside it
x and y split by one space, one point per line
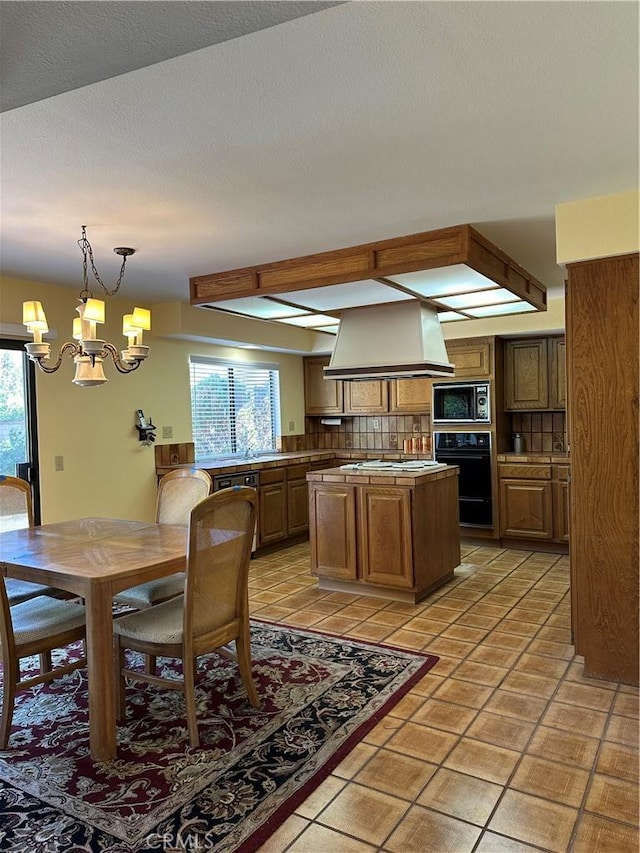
534 501
272 506
534 374
560 484
472 357
385 536
321 396
397 541
283 503
370 396
526 501
557 373
332 523
297 499
412 396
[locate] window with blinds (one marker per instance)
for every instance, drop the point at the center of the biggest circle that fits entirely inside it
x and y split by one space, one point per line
235 407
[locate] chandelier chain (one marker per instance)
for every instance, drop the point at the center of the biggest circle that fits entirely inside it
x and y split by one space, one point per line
85 246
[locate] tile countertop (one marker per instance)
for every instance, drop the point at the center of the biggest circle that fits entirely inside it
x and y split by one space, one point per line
278 460
381 478
541 457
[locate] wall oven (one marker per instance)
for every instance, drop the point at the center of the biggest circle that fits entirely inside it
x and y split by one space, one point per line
467 402
471 452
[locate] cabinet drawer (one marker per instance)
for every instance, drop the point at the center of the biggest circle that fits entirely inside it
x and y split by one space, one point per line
561 472
271 475
298 472
521 471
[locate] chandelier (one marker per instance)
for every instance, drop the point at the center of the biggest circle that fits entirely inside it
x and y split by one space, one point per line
89 351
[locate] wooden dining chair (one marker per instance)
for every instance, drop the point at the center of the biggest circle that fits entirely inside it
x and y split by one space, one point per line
212 612
16 511
34 627
178 492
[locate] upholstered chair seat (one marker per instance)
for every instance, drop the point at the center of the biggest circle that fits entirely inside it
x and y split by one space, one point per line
18 591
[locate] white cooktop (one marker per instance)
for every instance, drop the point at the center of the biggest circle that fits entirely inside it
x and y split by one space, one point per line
380 465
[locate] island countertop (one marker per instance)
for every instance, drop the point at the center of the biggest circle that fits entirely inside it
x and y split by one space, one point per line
382 477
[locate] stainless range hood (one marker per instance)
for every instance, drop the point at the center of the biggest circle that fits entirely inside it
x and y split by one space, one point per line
398 340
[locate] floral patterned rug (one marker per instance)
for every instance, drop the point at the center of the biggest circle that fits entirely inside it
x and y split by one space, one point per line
319 695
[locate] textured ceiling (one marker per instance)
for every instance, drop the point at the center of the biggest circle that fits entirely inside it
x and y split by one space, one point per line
360 122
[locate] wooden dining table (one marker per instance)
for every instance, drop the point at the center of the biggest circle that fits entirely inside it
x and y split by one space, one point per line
95 558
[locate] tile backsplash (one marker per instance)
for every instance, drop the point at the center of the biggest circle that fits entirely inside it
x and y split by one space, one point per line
541 431
370 432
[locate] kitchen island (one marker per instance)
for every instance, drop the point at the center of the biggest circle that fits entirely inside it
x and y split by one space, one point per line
388 531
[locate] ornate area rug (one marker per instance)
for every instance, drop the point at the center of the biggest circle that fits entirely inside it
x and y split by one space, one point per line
319 695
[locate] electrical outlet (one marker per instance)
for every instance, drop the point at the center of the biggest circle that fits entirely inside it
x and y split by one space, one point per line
292 426
58 462
376 423
167 432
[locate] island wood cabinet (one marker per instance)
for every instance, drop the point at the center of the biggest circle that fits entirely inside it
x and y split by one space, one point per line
396 541
534 501
534 374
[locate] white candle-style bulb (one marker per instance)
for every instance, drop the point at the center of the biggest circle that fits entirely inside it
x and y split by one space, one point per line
129 330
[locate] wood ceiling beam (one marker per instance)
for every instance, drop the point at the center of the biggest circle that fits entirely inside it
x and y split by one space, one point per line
460 244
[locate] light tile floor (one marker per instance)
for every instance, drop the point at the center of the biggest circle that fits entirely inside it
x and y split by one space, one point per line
503 747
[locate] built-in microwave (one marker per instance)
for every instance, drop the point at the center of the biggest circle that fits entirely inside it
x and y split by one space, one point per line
463 403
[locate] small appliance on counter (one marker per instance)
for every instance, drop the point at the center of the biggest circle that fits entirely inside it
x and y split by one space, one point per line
518 443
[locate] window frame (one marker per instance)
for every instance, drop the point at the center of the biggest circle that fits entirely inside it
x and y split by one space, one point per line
235 373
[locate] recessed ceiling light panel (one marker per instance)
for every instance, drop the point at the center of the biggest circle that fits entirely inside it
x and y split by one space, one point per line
309 321
483 297
519 307
444 281
335 297
258 307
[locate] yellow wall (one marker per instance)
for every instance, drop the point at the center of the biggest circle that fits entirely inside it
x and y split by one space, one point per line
598 227
107 471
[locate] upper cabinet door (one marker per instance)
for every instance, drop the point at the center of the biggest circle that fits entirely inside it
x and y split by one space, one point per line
321 396
557 373
471 357
410 395
371 395
526 375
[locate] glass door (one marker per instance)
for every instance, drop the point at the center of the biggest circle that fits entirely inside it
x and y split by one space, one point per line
18 425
